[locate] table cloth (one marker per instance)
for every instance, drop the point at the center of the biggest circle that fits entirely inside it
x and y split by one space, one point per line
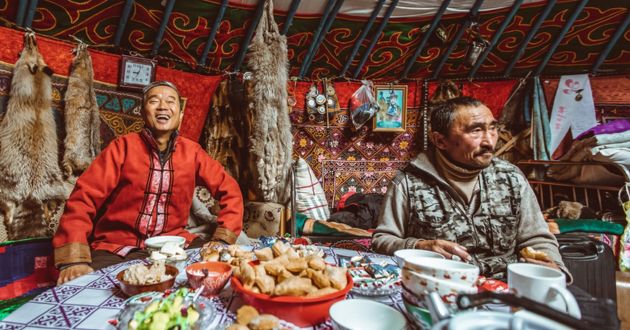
92 300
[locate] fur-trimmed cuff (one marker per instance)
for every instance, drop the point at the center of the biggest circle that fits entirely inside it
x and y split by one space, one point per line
72 253
225 235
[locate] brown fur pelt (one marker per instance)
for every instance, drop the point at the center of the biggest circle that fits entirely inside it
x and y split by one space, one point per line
271 139
222 139
29 156
83 138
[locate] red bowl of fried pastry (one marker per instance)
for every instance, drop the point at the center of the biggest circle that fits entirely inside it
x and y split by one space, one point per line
301 311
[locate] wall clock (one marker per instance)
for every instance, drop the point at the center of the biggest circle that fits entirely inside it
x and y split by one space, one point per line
136 72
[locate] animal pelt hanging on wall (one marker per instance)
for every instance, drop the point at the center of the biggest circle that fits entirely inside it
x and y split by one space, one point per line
29 156
271 139
222 133
83 137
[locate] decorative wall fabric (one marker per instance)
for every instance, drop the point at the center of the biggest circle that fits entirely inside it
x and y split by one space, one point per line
573 109
191 22
81 116
270 138
29 156
541 136
196 89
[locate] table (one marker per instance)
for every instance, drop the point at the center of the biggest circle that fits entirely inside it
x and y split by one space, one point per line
90 301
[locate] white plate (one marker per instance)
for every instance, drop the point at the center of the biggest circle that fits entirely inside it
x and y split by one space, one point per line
158 241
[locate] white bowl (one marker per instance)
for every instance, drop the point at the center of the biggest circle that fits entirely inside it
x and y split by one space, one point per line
451 270
361 314
157 242
403 254
420 284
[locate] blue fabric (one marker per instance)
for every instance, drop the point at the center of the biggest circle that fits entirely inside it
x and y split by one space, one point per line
18 259
541 135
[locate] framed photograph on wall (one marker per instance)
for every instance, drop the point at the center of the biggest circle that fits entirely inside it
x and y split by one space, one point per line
392 113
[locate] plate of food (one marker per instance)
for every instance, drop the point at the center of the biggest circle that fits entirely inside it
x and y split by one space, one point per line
173 310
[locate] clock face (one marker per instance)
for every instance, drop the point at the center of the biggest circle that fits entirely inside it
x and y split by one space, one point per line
137 73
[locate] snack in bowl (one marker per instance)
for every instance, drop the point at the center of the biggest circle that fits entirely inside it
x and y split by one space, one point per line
213 275
139 278
297 289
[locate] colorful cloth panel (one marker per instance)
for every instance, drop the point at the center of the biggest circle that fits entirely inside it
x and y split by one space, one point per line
31 267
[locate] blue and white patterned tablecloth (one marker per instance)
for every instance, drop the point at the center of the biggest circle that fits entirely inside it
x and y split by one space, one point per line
90 301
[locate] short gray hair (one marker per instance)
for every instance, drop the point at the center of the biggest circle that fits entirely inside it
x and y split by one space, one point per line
443 114
148 87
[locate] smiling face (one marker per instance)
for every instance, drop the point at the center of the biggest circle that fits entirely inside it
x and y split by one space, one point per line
162 112
471 138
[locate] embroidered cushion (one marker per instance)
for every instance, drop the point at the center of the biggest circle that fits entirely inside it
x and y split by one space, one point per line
262 219
310 196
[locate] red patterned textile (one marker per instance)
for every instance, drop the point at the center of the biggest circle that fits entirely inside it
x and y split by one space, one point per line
494 94
612 90
195 88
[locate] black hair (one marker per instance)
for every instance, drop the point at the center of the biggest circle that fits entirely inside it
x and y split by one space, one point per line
443 114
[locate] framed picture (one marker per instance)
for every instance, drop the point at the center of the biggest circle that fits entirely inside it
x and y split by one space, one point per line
392 113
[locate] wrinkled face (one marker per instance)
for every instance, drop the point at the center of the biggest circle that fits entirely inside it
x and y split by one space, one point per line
471 140
162 113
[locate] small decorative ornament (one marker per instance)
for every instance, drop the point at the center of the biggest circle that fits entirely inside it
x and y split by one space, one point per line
311 103
321 109
320 99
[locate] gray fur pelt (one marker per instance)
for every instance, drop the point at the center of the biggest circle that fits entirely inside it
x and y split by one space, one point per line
83 138
29 156
271 139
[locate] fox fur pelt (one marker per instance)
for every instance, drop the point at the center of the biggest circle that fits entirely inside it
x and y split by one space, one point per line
222 133
271 139
83 138
29 156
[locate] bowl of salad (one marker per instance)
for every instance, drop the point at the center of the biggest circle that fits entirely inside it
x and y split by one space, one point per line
175 310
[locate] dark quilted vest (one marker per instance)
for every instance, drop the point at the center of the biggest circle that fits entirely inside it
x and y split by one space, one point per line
489 234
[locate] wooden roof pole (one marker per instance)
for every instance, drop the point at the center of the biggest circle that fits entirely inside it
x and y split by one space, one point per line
319 33
124 18
495 38
167 15
458 36
240 57
611 44
289 21
528 37
377 35
30 14
560 36
213 33
21 12
425 38
364 32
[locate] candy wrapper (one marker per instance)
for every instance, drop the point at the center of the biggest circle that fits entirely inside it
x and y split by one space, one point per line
490 284
371 278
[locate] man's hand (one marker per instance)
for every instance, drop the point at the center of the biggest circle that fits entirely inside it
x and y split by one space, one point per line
445 248
549 264
72 272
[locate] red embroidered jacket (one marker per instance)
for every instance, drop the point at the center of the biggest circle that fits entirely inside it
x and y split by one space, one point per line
126 196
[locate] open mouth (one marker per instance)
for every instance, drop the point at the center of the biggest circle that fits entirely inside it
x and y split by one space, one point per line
162 118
